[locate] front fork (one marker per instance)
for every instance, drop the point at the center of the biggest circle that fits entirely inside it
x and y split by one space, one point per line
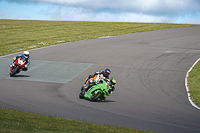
11 68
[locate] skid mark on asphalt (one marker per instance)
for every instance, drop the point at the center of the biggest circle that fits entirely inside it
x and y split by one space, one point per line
45 71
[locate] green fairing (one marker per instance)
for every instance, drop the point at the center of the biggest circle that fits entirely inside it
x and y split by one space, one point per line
103 88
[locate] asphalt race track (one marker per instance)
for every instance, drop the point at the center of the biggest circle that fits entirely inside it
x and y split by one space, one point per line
150 69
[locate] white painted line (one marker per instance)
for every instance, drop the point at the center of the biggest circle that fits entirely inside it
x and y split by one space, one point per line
49 46
168 51
10 54
35 49
186 85
105 37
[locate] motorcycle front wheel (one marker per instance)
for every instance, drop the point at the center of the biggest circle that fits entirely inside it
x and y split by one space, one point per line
14 71
95 96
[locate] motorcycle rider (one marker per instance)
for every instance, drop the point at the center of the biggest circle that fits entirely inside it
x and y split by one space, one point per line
24 56
102 74
96 78
111 84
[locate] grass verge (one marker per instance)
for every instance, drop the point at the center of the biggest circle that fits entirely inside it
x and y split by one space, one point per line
20 35
194 84
13 121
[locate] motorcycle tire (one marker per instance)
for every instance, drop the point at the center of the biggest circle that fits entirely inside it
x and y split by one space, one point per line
14 71
95 96
81 95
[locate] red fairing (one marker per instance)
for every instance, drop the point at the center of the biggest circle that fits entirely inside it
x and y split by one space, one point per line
19 62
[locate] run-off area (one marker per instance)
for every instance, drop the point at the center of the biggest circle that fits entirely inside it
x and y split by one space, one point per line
45 71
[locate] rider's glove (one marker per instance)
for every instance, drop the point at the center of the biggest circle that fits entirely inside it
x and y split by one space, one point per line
14 58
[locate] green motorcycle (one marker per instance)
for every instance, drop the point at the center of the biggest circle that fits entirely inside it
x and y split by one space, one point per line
95 92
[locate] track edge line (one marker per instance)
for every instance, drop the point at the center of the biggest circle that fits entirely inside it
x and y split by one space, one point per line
186 85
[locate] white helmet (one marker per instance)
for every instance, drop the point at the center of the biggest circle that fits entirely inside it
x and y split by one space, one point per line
26 54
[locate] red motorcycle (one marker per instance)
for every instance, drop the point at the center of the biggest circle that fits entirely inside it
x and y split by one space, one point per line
17 66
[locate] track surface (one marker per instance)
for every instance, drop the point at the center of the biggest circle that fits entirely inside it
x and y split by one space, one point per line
150 69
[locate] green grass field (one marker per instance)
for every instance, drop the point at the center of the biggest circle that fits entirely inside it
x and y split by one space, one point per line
20 35
194 84
13 121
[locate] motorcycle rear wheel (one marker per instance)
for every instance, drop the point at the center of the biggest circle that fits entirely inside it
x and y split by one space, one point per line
81 95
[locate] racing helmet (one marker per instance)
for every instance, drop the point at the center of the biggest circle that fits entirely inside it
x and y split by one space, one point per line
106 72
26 54
113 81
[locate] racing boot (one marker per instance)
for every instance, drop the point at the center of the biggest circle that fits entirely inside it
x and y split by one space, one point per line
103 98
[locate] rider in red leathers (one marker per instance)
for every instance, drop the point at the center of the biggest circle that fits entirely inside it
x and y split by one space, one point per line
24 56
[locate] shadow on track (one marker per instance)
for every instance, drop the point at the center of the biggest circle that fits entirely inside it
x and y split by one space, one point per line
21 76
